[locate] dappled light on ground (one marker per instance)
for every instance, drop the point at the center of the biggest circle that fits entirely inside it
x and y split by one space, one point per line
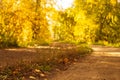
111 54
21 49
103 49
106 51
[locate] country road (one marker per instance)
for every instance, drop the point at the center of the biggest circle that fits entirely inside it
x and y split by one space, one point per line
102 64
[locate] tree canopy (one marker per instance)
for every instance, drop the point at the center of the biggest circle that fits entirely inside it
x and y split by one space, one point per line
29 22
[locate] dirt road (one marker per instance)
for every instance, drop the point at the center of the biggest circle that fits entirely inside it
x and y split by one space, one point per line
103 64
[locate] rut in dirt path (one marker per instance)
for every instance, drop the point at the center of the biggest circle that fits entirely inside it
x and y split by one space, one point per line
103 64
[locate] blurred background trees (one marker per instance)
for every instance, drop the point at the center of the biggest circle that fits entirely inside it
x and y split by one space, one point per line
23 22
30 22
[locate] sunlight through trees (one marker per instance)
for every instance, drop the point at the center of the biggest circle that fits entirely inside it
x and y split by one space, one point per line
30 22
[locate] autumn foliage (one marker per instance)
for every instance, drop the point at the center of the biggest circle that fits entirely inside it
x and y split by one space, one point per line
37 22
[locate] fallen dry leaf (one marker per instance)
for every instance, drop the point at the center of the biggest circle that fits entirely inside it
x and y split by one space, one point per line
42 75
32 77
45 79
37 70
75 60
60 60
66 60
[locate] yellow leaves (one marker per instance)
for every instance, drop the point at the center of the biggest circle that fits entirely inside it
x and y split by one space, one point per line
85 31
115 18
26 34
0 18
15 72
112 17
16 5
64 60
91 1
37 70
32 77
45 79
80 15
42 75
113 2
109 16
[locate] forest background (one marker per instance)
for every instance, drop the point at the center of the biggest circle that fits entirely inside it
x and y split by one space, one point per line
26 23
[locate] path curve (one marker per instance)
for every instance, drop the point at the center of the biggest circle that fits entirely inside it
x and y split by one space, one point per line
103 64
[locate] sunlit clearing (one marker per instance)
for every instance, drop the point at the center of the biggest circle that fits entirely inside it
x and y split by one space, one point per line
63 4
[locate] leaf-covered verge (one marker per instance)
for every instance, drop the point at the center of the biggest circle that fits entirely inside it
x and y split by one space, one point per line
45 65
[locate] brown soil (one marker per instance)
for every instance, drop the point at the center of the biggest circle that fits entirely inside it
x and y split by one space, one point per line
103 64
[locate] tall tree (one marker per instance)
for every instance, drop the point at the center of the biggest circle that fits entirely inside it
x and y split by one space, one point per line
23 21
103 14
